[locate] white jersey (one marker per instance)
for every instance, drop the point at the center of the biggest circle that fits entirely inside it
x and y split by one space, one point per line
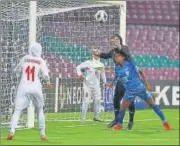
92 70
32 68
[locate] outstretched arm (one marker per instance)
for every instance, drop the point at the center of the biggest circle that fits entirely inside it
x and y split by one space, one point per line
106 55
147 84
18 66
146 81
45 74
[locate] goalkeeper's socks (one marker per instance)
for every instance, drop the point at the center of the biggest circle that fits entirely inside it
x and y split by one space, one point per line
158 111
131 112
116 112
131 117
121 117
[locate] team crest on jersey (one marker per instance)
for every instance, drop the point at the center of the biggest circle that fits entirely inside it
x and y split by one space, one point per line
100 69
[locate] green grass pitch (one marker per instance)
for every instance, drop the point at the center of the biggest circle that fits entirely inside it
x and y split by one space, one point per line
148 130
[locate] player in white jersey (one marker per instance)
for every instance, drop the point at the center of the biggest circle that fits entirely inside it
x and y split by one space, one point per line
90 71
32 68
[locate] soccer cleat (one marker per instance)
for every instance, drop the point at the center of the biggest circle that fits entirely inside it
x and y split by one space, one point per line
130 125
10 137
43 137
97 120
117 127
112 124
167 126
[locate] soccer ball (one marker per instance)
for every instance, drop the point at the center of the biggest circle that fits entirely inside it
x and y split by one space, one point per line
101 16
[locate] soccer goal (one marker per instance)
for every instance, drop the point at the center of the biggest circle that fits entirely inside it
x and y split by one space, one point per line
68 31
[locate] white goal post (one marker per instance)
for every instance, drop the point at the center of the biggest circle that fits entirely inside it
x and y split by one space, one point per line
123 14
0 76
32 39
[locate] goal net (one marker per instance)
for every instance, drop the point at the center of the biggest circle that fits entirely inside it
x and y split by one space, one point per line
68 32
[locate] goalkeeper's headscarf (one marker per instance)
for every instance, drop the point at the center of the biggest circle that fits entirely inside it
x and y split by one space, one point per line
35 50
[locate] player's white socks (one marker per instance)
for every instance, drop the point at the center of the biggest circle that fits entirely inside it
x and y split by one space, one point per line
15 118
14 121
41 120
84 111
97 105
96 109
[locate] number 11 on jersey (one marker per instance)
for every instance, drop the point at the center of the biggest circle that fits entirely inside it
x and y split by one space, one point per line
30 73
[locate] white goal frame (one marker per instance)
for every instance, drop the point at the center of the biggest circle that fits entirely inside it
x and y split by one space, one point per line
32 38
0 71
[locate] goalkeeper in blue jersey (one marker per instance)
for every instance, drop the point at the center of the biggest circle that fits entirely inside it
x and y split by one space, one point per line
128 74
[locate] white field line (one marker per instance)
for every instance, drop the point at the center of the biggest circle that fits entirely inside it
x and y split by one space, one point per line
97 123
84 124
112 139
116 139
104 120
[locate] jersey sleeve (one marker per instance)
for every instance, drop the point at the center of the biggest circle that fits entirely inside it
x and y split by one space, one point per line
44 71
82 66
106 55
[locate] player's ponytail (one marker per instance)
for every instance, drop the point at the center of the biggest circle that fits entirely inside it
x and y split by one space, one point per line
35 50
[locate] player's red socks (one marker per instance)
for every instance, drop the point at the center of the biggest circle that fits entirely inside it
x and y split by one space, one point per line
167 126
117 127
